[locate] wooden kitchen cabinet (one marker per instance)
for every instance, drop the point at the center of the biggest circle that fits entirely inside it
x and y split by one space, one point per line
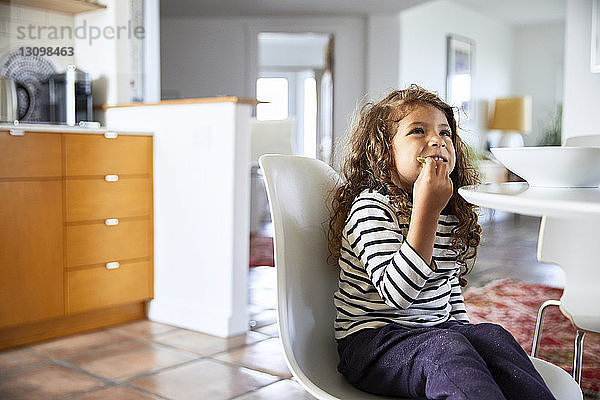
92 199
98 287
31 227
31 155
108 214
31 251
89 244
97 155
76 248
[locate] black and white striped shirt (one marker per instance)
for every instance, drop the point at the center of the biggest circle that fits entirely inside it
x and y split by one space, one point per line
382 278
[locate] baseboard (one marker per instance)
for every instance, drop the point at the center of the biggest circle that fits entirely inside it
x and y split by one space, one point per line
70 324
196 318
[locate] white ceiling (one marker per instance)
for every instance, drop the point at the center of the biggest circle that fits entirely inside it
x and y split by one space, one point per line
182 8
514 12
520 12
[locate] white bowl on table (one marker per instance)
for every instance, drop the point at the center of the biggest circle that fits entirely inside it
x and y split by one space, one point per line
553 166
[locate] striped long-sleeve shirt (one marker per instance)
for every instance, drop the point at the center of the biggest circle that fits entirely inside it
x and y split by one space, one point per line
382 278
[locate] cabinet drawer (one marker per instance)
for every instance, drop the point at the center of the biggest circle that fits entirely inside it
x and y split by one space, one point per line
96 155
91 199
100 287
31 155
100 243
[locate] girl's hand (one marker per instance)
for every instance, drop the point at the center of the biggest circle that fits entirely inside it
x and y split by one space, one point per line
433 188
431 192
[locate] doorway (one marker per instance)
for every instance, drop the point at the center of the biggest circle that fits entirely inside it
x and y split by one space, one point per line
294 74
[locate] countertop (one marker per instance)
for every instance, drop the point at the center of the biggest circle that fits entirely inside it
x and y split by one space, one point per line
201 100
66 128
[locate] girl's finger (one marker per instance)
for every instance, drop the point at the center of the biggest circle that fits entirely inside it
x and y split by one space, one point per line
442 168
430 163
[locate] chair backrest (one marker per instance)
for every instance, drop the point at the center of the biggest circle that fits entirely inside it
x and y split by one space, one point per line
562 242
298 189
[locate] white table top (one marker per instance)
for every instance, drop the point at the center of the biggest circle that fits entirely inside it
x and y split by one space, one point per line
520 198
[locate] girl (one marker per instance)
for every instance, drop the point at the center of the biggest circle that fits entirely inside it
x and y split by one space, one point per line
404 239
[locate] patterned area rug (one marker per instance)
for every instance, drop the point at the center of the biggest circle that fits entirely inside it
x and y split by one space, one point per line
514 305
261 251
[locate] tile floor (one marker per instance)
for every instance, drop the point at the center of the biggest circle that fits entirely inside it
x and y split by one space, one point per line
148 360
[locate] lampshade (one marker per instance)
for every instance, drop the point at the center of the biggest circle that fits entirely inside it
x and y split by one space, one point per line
512 114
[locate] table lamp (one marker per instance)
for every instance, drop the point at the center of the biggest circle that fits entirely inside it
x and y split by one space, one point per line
512 116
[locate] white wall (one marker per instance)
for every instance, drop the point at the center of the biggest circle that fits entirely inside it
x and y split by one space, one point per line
107 60
203 57
538 71
581 88
423 31
14 32
219 56
282 50
152 51
383 54
200 242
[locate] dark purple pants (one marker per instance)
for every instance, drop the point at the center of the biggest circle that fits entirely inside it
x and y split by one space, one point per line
452 360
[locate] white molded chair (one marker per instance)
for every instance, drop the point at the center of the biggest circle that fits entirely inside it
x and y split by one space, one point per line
581 296
298 189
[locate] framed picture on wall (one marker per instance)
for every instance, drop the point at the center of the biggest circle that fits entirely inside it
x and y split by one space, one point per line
459 74
595 56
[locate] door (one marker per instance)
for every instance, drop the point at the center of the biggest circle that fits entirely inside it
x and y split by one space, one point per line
31 251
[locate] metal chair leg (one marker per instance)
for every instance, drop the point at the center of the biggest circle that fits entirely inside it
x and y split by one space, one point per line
538 325
578 356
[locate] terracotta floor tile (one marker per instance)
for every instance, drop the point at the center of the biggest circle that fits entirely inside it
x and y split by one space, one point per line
76 344
203 379
284 389
204 344
18 358
143 329
129 359
266 356
46 382
114 392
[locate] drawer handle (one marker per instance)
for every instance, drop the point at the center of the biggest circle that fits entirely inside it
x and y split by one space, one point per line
112 265
110 135
111 178
111 221
16 132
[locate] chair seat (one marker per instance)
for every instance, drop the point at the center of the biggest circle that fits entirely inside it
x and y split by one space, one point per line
582 318
560 383
328 384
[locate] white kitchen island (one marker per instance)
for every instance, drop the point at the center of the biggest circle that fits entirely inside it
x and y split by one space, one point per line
201 209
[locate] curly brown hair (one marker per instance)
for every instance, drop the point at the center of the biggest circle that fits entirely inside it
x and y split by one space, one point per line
369 164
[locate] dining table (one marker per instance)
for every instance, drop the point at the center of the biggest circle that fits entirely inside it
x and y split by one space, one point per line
569 236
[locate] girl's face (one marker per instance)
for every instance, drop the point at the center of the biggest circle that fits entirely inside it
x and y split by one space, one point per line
424 132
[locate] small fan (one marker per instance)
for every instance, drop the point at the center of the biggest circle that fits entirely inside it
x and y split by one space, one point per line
29 72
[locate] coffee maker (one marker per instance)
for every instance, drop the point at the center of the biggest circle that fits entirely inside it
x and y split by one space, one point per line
69 97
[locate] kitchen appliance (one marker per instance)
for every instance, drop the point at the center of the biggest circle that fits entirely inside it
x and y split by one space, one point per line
9 107
68 97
